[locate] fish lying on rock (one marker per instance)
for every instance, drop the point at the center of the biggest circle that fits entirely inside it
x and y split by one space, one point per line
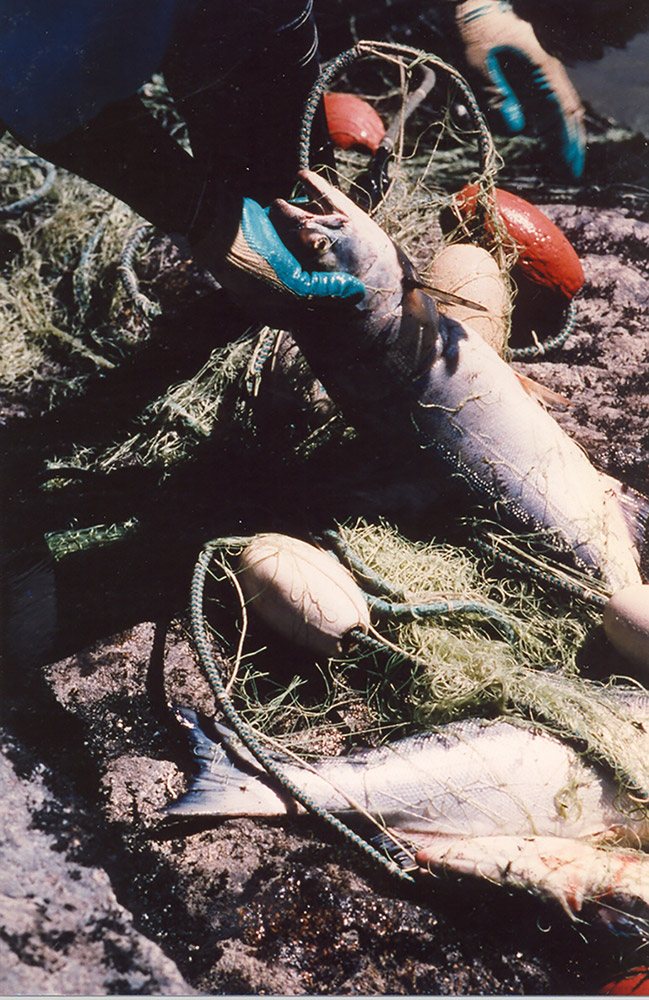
418 382
499 799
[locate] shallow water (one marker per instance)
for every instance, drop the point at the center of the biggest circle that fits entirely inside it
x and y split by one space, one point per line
618 84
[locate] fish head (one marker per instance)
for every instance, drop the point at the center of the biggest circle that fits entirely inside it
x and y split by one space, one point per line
330 233
389 339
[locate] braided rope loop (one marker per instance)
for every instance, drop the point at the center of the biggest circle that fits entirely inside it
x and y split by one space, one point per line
248 736
390 51
16 208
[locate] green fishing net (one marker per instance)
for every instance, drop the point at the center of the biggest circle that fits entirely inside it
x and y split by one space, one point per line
64 318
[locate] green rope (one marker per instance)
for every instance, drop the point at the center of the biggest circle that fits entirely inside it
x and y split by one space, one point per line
371 581
546 576
393 604
368 49
433 609
248 735
82 279
15 208
128 277
552 343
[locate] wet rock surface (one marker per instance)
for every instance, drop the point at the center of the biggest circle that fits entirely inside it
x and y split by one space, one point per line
247 906
98 894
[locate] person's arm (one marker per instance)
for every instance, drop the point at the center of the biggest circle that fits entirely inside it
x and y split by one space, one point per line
128 153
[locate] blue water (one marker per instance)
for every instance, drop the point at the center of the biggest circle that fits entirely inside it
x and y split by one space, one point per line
618 85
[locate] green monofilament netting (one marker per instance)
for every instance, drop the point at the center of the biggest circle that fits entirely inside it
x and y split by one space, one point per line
470 671
437 670
77 231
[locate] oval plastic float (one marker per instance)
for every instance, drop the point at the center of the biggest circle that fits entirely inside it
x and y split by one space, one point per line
470 271
545 255
626 623
302 592
634 983
352 122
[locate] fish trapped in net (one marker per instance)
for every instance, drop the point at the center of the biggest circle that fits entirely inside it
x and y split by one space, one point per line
424 385
497 799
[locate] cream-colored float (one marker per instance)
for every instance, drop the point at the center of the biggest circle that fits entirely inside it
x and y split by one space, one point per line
470 272
626 623
302 592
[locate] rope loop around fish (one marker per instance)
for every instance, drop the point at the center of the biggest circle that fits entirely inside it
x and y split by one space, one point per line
248 735
392 51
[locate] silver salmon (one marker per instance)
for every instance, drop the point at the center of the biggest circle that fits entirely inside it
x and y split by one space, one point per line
420 382
500 799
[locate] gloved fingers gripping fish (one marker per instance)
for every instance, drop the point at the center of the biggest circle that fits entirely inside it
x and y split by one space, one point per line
420 382
496 799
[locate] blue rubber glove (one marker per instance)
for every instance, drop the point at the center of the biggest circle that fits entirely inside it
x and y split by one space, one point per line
260 272
528 88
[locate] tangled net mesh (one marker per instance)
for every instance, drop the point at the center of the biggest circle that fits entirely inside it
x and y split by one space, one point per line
463 668
443 669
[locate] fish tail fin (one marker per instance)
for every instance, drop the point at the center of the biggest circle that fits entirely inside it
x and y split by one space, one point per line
635 510
229 782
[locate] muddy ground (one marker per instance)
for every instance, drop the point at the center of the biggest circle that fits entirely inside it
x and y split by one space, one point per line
97 895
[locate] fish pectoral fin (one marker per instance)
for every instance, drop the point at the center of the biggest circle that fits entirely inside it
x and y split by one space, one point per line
571 871
397 847
541 393
634 507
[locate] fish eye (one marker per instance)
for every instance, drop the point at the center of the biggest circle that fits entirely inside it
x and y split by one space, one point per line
321 244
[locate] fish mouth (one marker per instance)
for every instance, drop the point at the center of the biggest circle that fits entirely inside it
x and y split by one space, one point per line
326 211
325 204
325 198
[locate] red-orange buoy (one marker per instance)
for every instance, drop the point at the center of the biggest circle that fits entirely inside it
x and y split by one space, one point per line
634 983
546 257
352 122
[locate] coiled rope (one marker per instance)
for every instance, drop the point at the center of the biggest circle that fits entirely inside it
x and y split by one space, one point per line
544 347
16 208
249 736
127 274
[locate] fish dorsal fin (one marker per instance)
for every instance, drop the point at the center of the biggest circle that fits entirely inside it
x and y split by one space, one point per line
634 507
543 395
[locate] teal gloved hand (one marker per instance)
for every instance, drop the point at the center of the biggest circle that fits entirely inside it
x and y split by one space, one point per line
528 88
263 275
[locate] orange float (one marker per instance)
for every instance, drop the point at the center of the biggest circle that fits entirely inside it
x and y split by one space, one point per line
352 122
634 983
546 257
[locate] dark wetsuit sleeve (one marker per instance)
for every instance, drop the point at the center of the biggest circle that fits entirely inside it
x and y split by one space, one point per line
239 74
62 61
